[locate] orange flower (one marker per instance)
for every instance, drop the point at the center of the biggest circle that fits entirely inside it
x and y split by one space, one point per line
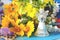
29 28
8 22
5 22
18 30
10 9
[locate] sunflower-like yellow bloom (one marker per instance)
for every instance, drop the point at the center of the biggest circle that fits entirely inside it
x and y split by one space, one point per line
5 9
21 10
46 1
21 26
19 30
17 21
32 12
5 22
16 2
20 7
10 9
29 28
28 7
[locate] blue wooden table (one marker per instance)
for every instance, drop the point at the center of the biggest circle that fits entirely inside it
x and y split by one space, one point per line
52 36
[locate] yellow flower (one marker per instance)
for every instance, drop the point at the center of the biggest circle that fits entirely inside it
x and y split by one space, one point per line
32 13
17 3
18 30
29 28
21 32
28 7
15 17
46 1
22 26
17 21
20 10
30 10
5 9
12 21
8 22
5 22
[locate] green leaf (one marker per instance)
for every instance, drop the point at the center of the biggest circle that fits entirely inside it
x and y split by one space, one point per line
29 18
24 21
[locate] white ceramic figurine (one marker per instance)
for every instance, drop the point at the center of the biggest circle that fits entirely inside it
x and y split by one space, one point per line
42 30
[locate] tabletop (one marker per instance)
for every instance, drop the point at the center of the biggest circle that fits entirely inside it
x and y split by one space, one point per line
52 36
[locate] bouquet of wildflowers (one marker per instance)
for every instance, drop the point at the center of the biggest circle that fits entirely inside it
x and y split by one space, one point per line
19 17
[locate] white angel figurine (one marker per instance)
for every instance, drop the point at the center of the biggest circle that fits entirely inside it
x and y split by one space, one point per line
42 30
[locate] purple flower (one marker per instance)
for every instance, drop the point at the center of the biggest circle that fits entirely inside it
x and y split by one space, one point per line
1 3
1 10
5 32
